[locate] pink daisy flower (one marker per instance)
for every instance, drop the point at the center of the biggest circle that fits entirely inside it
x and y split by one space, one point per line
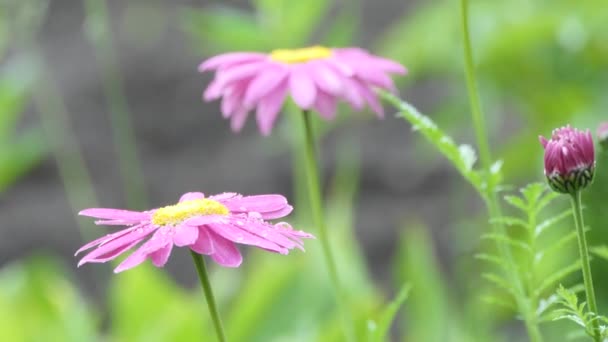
209 226
569 159
316 78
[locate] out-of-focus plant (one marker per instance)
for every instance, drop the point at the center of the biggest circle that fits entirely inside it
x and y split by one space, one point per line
19 151
38 302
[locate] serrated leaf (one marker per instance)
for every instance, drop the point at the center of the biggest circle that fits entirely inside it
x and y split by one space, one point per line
557 246
444 143
546 200
492 259
600 251
510 221
500 302
540 228
508 240
533 192
517 202
498 281
557 276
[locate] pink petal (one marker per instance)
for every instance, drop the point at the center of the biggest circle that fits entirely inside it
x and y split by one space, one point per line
115 214
351 93
160 257
303 89
325 104
233 98
239 73
131 261
191 196
203 244
270 233
269 108
264 83
185 235
228 58
238 119
388 65
326 78
120 242
234 232
110 255
370 98
105 239
204 220
258 203
225 252
225 196
214 90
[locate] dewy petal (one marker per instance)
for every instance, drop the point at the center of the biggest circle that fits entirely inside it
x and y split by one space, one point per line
225 252
269 108
110 255
257 203
115 214
303 89
235 233
105 239
264 83
229 58
191 196
131 261
225 196
185 235
133 236
160 257
203 244
370 98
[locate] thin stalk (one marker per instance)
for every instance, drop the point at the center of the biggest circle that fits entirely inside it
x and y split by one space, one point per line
316 205
490 196
201 270
584 254
99 35
72 169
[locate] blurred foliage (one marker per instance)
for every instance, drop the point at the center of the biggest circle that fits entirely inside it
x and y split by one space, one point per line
542 64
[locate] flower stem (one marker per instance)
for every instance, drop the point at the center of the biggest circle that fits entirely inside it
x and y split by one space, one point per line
206 285
316 205
584 254
490 195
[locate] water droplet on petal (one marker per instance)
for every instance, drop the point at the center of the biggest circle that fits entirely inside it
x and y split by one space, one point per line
255 215
241 208
240 223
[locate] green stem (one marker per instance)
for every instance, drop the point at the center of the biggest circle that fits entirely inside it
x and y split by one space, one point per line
206 285
584 254
316 205
490 196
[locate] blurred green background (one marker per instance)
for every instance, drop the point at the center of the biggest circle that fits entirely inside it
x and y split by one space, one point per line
100 105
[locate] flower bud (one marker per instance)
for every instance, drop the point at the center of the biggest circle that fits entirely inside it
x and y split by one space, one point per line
569 159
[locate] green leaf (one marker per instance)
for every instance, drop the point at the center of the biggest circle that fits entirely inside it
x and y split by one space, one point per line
600 251
557 246
462 157
493 259
498 281
517 202
508 240
378 329
540 228
510 221
533 192
556 277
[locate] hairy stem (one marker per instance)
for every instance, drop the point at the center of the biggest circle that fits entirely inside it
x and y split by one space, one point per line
316 205
199 263
490 196
584 255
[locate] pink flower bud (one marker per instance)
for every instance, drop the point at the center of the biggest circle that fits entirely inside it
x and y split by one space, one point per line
569 159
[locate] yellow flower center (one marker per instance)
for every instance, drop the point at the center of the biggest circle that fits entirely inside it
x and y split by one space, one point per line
173 215
300 55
